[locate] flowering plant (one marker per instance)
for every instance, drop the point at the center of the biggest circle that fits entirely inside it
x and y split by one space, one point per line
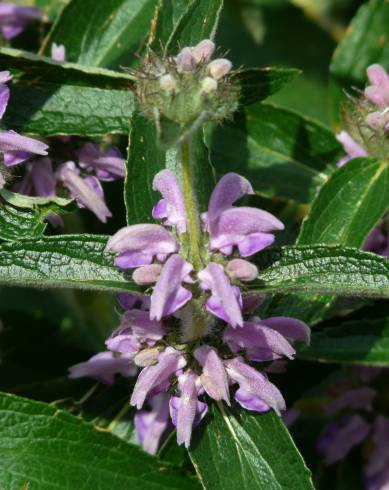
189 254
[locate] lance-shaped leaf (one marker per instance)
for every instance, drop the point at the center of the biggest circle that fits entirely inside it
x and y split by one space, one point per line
348 205
68 261
50 98
110 35
322 270
259 83
72 452
359 342
282 153
247 451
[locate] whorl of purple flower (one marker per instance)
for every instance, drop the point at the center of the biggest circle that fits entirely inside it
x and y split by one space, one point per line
357 423
15 18
175 337
378 93
14 147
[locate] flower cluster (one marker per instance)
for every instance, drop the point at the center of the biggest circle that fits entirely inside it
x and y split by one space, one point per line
355 402
15 18
367 119
81 182
196 336
376 96
187 89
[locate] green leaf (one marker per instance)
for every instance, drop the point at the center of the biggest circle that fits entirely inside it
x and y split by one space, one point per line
322 270
72 453
360 342
28 222
348 205
187 23
50 98
365 43
146 158
249 452
68 261
259 83
283 154
110 35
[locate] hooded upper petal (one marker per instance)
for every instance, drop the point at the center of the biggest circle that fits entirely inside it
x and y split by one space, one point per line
139 244
214 279
214 377
103 367
5 76
172 206
17 148
168 294
291 328
169 362
253 386
108 165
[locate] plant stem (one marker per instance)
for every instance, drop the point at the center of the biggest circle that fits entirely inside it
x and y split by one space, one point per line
190 200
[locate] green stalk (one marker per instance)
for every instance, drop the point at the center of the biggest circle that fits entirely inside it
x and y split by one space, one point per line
190 200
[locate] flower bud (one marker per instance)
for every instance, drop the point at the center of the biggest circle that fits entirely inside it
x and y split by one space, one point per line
208 85
185 61
147 274
203 51
146 357
242 269
219 68
168 83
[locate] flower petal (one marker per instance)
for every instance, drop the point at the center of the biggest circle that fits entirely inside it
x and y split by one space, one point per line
214 377
172 205
291 328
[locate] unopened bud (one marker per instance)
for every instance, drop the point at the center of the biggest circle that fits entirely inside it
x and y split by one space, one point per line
185 61
148 274
168 83
219 68
203 51
242 269
208 85
146 357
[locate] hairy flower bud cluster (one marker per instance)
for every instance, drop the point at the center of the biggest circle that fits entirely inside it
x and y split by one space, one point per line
196 337
188 89
359 417
367 119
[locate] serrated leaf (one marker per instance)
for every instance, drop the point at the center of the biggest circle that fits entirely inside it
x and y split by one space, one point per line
247 451
283 154
110 35
49 98
259 83
68 261
348 205
73 453
322 270
360 342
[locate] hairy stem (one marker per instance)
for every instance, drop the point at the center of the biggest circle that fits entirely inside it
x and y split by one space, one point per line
190 199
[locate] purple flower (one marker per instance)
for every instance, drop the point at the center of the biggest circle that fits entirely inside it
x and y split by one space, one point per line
169 362
338 438
15 148
138 244
223 302
39 179
171 207
14 18
214 376
169 295
378 91
357 399
87 191
376 471
151 426
255 391
244 227
103 367
351 147
107 166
